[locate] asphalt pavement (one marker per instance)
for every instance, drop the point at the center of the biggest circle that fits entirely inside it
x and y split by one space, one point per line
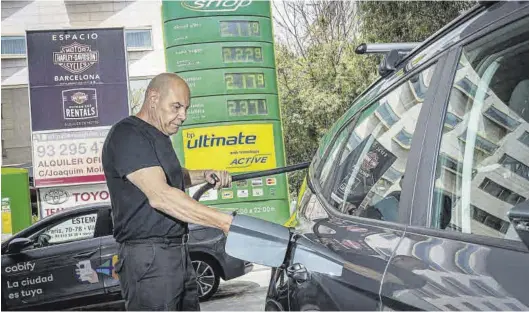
245 293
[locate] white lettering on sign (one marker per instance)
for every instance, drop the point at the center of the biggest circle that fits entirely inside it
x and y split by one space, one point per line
216 5
19 288
20 267
76 77
63 37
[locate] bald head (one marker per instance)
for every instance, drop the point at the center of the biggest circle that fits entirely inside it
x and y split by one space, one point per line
164 82
166 102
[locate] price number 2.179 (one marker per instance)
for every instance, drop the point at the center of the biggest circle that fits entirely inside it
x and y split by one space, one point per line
236 81
69 149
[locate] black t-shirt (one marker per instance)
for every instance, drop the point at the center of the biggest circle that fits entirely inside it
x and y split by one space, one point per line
133 144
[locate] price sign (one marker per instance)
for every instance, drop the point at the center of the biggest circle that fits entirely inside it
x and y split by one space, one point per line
214 55
247 107
239 29
68 157
242 54
231 81
244 81
217 29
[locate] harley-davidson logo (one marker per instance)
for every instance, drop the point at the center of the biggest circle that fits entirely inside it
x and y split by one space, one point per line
76 57
79 97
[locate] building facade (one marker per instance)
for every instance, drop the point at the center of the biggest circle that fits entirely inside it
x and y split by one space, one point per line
142 21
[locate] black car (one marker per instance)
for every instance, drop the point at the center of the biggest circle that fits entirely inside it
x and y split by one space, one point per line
421 189
66 261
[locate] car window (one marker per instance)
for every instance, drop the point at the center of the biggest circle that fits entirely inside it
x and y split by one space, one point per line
368 172
483 161
333 154
358 104
72 229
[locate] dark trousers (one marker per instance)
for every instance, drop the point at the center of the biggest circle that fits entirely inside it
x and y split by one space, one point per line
157 275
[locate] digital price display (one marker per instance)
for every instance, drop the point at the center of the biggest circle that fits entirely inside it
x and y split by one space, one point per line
239 29
224 50
238 81
247 107
242 54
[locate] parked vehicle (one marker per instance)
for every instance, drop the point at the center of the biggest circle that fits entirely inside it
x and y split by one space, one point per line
66 261
421 187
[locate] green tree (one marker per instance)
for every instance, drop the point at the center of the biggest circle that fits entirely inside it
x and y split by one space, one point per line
407 21
319 74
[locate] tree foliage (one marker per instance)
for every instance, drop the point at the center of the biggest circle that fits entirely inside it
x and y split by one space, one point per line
319 75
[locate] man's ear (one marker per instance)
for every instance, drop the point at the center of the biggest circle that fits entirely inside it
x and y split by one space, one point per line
153 97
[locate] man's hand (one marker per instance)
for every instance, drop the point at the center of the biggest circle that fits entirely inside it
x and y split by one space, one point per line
223 176
195 177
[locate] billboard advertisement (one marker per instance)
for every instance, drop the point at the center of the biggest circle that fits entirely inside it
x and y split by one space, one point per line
78 86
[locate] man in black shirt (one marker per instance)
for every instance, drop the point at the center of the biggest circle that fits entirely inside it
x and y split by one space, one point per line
150 207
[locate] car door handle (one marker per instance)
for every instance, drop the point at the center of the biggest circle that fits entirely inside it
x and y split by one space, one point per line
83 255
298 272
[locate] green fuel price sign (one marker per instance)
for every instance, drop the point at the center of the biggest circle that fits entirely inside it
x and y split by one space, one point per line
215 55
239 107
230 81
217 29
224 51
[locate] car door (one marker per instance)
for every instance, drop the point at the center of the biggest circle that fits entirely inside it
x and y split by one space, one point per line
352 203
62 266
461 251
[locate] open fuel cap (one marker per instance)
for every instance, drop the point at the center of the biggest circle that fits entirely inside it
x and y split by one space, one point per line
257 241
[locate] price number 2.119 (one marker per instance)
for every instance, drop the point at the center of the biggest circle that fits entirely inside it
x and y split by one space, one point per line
239 29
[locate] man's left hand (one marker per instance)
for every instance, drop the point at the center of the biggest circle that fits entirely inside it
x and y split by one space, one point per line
224 176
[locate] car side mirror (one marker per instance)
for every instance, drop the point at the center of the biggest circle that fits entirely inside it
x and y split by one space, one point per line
519 217
17 244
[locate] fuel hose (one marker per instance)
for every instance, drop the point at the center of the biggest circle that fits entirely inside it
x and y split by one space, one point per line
251 175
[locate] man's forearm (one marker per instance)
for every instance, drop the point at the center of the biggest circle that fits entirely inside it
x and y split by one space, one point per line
176 203
193 177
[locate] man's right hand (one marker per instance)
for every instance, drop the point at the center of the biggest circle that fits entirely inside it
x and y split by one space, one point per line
219 178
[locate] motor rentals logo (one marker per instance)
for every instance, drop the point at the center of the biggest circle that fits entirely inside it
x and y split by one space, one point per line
215 5
79 103
236 148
